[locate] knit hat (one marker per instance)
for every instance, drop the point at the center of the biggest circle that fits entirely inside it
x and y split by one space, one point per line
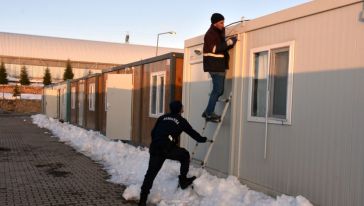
175 107
216 17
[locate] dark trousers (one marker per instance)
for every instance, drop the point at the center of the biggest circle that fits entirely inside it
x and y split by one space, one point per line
156 161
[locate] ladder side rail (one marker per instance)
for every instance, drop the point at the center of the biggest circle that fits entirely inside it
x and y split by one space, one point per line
216 132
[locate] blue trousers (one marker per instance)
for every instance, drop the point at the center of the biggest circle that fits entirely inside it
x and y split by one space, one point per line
218 82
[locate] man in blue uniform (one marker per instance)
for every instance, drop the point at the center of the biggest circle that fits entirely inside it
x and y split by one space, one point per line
165 135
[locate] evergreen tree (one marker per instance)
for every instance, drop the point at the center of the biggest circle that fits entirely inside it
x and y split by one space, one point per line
3 74
24 78
16 91
68 74
47 79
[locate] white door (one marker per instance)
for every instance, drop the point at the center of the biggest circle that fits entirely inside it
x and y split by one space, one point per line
51 96
119 88
200 88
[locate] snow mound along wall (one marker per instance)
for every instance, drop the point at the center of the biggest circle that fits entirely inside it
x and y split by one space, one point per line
127 165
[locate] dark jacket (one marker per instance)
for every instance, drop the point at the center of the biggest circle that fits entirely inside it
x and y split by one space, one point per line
167 130
215 51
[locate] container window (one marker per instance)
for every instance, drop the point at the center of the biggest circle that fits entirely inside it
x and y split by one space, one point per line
271 84
157 94
91 97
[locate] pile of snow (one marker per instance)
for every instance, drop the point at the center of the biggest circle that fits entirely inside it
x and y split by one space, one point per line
127 166
33 81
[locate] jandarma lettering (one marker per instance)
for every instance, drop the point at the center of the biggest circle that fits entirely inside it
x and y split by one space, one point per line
171 119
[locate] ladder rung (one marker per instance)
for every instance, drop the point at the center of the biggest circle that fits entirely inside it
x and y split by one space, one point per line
198 161
213 121
225 100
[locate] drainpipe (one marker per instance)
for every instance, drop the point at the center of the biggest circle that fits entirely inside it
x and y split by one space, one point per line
266 111
266 122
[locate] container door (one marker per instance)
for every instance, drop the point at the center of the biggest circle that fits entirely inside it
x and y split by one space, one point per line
119 88
64 103
51 96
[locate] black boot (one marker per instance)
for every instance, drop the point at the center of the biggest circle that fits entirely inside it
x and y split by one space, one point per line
184 181
211 118
143 200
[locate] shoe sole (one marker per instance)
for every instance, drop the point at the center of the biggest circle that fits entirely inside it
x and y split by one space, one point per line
209 119
213 120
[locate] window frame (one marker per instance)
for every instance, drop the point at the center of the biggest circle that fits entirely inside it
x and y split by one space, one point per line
270 49
158 74
91 96
73 97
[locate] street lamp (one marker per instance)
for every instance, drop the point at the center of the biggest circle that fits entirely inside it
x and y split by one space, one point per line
169 32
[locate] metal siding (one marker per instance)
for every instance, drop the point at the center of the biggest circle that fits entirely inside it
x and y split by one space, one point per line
101 106
137 103
320 155
179 79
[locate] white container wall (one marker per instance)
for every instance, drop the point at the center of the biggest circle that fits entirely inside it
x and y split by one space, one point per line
316 149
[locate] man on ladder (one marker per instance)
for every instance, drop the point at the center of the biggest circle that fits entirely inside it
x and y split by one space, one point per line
216 62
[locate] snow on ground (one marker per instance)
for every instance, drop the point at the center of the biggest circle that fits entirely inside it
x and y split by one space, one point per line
127 166
31 96
23 96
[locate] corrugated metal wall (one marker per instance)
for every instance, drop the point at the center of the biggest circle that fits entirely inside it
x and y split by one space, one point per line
320 155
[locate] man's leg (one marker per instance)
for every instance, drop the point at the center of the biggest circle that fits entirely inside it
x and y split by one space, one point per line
218 81
183 156
155 164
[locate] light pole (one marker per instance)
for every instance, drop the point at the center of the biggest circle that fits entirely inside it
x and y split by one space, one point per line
169 32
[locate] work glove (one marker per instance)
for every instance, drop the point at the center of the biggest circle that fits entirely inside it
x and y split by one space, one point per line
202 140
231 41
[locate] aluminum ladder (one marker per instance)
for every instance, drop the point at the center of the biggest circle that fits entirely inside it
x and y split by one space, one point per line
211 141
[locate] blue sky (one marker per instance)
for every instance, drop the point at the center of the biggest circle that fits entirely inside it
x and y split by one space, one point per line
111 20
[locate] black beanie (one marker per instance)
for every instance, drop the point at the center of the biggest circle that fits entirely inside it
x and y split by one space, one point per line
216 17
175 107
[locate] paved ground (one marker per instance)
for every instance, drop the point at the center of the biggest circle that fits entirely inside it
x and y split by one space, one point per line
36 169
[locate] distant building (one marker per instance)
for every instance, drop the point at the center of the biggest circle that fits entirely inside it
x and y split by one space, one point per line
37 53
